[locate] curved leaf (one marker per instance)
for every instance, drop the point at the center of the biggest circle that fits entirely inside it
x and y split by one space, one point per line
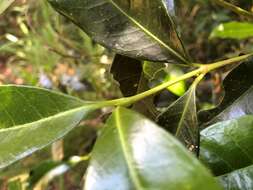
31 118
227 146
180 118
133 153
242 106
140 29
237 92
238 180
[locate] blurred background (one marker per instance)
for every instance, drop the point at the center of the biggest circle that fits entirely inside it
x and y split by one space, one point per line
39 47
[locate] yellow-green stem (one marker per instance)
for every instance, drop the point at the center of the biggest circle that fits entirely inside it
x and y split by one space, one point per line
201 71
235 9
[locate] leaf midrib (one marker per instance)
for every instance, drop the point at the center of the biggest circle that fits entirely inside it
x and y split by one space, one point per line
46 118
132 172
148 32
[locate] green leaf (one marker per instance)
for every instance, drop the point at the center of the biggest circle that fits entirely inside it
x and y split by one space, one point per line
43 174
41 170
4 4
234 30
32 118
134 153
127 71
40 181
138 29
151 69
227 145
179 88
241 179
15 185
180 118
238 90
160 72
25 165
145 106
242 106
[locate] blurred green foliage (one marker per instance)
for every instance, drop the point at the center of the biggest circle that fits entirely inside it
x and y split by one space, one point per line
42 48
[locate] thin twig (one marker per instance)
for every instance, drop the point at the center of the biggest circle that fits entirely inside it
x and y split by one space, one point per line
235 9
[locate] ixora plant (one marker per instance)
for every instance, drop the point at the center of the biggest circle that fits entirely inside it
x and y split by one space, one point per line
132 151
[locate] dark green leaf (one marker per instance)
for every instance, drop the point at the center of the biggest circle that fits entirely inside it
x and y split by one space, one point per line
180 118
238 180
134 153
227 145
235 30
41 182
4 4
127 71
32 118
146 106
41 170
44 173
237 93
140 29
242 106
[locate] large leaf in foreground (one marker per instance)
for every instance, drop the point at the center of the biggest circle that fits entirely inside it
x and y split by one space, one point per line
134 153
227 145
31 118
139 29
180 118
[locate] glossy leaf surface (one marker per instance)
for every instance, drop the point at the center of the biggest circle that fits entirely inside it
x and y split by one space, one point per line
241 179
125 27
227 145
242 106
134 153
180 118
237 87
32 118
